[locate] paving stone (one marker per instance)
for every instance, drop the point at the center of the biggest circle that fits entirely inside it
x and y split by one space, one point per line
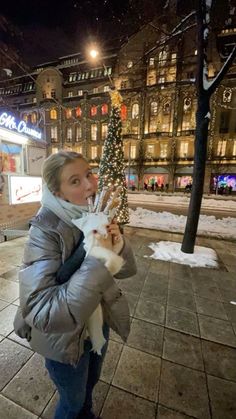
3 304
227 283
111 361
165 413
182 300
132 301
9 290
227 295
219 360
6 265
12 358
159 266
146 336
12 274
31 386
208 291
231 311
184 390
6 319
216 330
182 320
183 349
180 271
150 311
138 373
99 396
10 410
181 285
222 397
19 340
122 405
210 308
49 411
155 291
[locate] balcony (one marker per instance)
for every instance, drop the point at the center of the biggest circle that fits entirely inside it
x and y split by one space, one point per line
186 132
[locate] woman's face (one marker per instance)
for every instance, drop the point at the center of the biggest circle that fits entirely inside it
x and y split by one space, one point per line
77 182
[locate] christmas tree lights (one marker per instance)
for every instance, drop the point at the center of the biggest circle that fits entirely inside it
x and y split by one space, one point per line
111 169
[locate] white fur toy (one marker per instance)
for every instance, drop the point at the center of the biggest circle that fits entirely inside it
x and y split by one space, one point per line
94 226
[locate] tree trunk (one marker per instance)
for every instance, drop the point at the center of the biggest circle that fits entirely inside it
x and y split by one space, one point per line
200 156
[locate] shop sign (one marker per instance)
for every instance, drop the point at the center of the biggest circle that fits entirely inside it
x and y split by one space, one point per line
8 121
25 189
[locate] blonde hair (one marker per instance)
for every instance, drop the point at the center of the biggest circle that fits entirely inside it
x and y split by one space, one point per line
53 165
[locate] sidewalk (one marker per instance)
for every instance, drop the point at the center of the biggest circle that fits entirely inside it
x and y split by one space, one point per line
180 358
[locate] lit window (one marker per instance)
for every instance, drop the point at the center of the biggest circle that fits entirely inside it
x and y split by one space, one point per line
153 108
166 107
53 134
34 99
34 118
104 109
221 148
130 64
173 57
187 104
94 131
68 113
53 114
161 80
102 149
163 150
151 61
95 90
150 149
93 110
106 88
162 57
70 94
25 117
78 112
183 148
104 131
69 134
54 150
80 92
195 52
78 149
78 133
133 151
12 161
123 112
94 152
234 148
135 110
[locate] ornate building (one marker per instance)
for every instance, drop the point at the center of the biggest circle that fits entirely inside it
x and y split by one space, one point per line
69 100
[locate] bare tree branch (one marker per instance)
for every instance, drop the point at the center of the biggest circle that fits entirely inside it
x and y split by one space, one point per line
222 71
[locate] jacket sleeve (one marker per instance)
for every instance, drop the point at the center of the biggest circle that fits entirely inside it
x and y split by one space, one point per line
129 268
53 308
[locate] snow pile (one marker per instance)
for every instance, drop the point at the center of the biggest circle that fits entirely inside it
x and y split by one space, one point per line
171 251
183 201
166 221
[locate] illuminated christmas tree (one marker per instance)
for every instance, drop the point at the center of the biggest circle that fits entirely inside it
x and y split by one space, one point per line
111 170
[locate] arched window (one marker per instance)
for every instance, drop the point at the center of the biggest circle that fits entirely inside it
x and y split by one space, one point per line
104 109
68 113
135 111
34 118
93 110
78 112
123 112
25 117
166 107
153 108
53 114
227 95
187 104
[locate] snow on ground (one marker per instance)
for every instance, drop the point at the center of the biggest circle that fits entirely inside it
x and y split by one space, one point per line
166 221
216 202
171 251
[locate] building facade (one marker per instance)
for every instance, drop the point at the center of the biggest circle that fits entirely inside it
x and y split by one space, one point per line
68 99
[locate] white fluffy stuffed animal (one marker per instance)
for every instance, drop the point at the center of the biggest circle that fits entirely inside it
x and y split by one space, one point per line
94 226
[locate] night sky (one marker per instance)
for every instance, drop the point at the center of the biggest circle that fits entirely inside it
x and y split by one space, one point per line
54 28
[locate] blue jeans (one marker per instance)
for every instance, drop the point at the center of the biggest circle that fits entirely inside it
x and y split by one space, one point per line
75 383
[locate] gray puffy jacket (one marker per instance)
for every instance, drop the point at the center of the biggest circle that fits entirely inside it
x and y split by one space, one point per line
55 316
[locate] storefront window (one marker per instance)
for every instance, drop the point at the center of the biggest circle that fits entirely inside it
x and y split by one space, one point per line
11 157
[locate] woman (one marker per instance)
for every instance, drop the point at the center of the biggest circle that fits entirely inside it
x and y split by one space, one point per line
54 309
